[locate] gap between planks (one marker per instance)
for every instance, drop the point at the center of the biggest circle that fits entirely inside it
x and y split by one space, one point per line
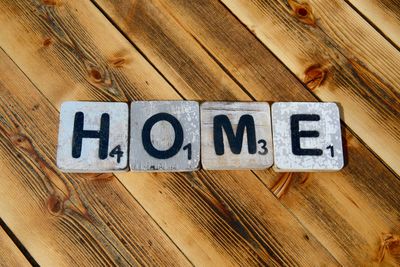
385 14
268 191
378 158
18 246
21 246
338 49
347 126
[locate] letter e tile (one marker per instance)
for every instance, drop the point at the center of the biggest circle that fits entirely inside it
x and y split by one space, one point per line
307 136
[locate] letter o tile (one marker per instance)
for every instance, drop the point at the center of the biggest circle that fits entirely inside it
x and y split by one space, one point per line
165 136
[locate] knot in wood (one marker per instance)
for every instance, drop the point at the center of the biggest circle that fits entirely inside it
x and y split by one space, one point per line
390 243
21 141
118 62
95 75
314 76
50 2
47 41
98 176
55 205
302 11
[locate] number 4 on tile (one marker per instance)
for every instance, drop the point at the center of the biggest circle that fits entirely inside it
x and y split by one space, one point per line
93 137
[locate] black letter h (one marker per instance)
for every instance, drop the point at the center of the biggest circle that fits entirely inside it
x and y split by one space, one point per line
79 134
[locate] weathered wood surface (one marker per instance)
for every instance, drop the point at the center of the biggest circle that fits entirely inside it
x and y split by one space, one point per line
208 227
10 254
69 51
87 218
208 25
346 62
83 156
384 14
328 143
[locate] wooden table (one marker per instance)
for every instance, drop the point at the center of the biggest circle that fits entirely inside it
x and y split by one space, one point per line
233 50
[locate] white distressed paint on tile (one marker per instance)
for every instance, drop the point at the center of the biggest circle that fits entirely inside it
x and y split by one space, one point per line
89 160
163 136
328 128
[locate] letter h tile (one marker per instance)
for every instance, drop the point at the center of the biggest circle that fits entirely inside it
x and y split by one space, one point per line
93 137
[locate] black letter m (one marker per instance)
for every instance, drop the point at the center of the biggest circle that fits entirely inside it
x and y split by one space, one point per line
246 122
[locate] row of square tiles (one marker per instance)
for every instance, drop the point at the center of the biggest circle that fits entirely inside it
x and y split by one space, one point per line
165 136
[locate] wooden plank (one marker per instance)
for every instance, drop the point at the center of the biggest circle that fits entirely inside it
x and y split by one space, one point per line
209 25
79 218
187 66
10 255
384 14
210 228
347 62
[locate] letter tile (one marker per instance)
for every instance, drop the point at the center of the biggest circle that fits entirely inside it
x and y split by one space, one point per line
236 135
307 136
93 137
165 136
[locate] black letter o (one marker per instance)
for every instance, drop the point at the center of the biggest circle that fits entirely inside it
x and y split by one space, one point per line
147 144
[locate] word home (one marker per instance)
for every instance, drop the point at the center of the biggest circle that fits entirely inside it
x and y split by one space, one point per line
172 136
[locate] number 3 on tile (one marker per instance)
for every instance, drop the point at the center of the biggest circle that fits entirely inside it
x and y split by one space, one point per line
263 147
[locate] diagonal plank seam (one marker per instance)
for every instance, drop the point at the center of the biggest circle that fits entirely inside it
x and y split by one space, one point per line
311 91
18 243
225 70
210 55
277 196
165 78
109 19
374 156
373 25
304 228
333 43
55 185
230 74
287 68
155 222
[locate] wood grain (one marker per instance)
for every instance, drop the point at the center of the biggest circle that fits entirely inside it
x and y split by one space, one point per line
346 62
187 65
235 49
65 219
384 14
10 255
205 226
